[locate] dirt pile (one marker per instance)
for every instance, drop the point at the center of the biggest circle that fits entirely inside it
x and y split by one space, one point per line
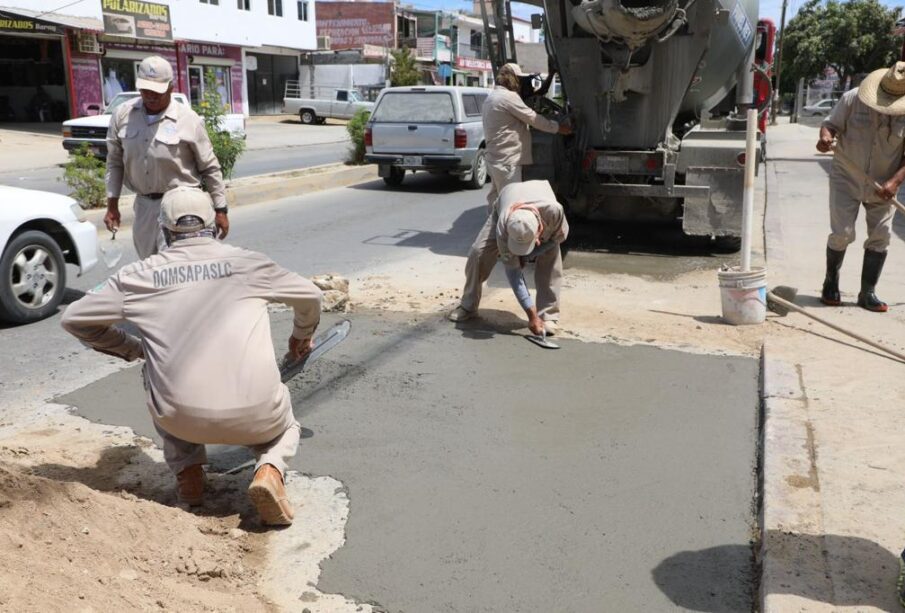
65 546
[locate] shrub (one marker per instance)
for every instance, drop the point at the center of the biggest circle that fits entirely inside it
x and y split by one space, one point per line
405 70
356 129
84 174
227 147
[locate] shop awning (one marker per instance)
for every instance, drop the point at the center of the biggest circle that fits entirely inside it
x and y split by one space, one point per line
40 22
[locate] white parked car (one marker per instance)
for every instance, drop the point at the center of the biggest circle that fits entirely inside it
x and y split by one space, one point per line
40 233
93 128
821 108
331 104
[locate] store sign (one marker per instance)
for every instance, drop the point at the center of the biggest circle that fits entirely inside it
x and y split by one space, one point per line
470 63
206 50
27 25
251 63
137 19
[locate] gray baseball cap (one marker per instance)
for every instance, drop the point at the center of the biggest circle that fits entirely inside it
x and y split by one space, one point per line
155 74
180 202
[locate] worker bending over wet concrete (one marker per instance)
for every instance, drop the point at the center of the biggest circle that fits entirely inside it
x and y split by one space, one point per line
531 225
506 119
868 124
210 372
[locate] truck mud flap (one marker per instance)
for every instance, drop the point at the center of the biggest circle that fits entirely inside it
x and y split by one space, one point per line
718 211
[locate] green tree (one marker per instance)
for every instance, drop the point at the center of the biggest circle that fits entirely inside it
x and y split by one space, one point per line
853 38
356 129
227 147
405 71
84 174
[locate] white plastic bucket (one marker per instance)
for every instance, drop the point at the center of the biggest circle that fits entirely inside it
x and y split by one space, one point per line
744 295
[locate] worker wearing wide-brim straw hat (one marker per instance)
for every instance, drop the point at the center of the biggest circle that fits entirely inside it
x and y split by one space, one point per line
868 124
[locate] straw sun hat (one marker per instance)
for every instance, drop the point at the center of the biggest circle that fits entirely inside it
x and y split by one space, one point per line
884 90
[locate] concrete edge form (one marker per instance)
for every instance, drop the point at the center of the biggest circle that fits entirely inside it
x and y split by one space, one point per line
263 188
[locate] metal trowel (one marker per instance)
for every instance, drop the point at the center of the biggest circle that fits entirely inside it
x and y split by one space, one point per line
541 341
111 251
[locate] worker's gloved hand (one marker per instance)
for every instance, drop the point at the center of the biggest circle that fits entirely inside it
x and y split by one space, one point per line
889 189
299 348
221 220
825 145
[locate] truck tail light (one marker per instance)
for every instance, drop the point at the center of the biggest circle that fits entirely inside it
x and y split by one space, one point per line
461 138
369 138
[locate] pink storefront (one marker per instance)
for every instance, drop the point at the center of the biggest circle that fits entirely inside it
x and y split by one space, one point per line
97 77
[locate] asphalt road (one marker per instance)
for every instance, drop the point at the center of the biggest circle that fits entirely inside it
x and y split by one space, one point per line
484 474
252 162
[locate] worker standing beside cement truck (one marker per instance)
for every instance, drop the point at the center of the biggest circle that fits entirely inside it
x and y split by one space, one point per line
868 124
506 119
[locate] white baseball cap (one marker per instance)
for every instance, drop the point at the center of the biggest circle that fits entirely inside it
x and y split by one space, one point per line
155 74
512 68
182 201
521 228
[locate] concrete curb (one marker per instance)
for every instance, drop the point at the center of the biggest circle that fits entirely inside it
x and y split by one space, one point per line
263 188
790 496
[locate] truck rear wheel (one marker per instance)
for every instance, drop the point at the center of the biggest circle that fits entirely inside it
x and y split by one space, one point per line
397 175
478 172
307 116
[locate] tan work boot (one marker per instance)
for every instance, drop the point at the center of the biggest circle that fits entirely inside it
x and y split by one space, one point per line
190 485
460 314
269 497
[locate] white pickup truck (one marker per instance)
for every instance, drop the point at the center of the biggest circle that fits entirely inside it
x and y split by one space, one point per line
93 128
337 104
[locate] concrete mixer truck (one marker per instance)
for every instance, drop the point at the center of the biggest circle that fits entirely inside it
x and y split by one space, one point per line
658 91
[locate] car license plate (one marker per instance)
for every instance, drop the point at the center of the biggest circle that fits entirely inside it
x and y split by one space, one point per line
411 160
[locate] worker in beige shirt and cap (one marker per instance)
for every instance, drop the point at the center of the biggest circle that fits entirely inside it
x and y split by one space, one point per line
531 226
868 124
506 121
200 307
155 144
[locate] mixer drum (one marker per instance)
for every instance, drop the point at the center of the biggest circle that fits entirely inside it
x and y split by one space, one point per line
630 22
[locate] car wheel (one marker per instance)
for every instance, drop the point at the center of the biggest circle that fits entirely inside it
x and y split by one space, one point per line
397 175
32 278
478 171
308 117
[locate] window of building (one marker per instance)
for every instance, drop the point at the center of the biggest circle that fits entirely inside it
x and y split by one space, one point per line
303 10
214 2
244 5
275 7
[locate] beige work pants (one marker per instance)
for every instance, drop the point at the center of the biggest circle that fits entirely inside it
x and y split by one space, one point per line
282 427
844 213
146 234
483 254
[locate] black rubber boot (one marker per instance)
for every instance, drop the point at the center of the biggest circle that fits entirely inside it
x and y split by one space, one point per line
830 294
870 274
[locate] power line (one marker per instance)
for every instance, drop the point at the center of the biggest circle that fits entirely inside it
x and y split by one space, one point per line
59 8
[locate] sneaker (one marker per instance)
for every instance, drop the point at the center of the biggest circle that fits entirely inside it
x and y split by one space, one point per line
551 328
460 314
269 497
900 584
190 485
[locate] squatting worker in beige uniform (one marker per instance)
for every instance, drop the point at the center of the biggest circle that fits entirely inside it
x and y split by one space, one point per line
200 307
506 119
154 144
868 124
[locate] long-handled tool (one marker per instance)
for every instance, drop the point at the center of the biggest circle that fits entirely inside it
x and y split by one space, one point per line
781 300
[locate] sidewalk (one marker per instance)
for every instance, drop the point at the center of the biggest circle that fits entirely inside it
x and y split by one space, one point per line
834 475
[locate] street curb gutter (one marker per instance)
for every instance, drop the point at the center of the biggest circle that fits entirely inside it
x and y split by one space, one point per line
263 188
791 520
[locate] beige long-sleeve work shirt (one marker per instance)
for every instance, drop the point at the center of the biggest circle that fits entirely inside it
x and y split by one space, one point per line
873 141
201 309
153 156
506 119
539 195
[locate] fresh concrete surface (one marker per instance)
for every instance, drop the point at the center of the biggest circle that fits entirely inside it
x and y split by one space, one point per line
834 465
485 474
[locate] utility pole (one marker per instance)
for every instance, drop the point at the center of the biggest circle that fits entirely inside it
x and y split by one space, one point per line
782 38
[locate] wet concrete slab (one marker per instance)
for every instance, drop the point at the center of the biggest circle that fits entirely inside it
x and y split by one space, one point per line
487 474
